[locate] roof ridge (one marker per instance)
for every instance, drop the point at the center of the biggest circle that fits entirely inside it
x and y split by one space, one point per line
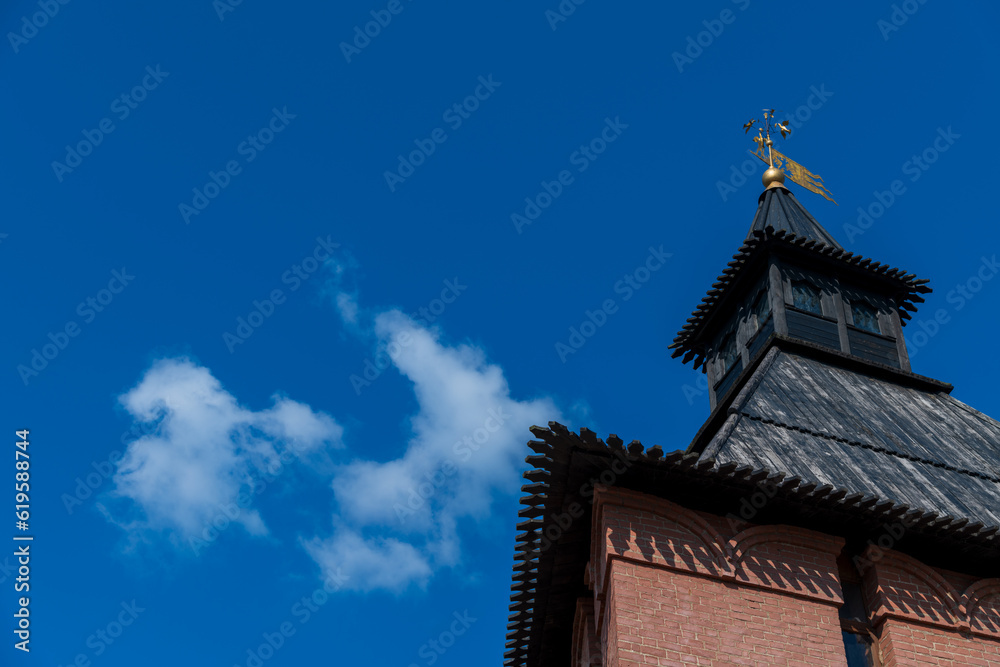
874 448
735 409
973 412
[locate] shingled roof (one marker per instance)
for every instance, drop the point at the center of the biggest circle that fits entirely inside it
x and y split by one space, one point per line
778 209
888 481
915 446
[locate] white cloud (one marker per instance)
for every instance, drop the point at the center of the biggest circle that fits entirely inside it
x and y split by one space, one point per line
381 563
339 287
205 449
466 446
347 306
395 523
466 418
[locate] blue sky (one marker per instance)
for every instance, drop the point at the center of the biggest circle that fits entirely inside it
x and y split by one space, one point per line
200 226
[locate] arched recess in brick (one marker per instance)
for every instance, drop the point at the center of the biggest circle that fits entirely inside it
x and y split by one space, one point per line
790 559
586 648
899 596
651 520
981 602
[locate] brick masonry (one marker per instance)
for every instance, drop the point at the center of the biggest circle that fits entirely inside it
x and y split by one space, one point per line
932 617
674 586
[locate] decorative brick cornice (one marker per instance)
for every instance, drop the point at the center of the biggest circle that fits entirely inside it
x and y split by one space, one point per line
981 602
638 527
710 548
793 560
906 589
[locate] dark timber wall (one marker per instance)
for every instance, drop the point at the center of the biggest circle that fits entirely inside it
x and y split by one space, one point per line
812 328
873 347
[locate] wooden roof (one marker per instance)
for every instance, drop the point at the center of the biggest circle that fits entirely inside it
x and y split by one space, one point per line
548 576
782 225
916 446
778 209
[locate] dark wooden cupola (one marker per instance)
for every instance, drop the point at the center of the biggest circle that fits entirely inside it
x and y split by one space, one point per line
792 282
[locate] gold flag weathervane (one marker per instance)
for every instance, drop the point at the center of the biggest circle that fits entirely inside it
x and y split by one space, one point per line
780 163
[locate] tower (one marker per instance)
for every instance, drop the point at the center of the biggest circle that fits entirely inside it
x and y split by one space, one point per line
791 280
836 508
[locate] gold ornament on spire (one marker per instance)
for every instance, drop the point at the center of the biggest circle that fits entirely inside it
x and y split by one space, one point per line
777 164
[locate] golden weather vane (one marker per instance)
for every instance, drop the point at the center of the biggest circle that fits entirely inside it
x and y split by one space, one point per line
778 164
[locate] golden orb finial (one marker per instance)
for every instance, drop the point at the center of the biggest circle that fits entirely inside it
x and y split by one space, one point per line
773 178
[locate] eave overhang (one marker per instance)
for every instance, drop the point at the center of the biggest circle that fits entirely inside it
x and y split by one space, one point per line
547 581
694 336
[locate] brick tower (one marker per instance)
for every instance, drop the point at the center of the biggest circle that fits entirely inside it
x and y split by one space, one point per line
834 509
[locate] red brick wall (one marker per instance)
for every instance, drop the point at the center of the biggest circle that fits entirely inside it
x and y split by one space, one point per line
677 587
913 645
930 616
673 586
663 617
